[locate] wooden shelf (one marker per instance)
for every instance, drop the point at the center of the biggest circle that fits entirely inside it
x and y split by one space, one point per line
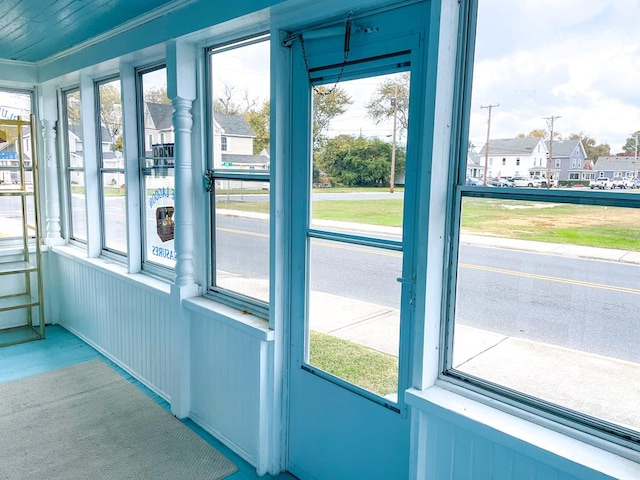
14 302
9 268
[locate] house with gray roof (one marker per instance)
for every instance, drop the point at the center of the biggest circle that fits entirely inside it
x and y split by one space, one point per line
232 137
617 167
514 157
569 160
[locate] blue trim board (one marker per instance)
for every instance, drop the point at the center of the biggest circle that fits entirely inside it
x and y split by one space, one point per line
61 348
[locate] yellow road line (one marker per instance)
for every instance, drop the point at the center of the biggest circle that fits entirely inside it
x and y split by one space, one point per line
580 283
391 253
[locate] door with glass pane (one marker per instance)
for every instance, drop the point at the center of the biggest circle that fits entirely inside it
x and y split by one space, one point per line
352 269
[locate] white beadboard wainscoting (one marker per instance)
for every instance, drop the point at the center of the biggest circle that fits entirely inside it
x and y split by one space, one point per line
231 380
457 437
126 320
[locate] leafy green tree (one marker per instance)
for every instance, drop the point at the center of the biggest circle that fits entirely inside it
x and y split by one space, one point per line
259 121
392 95
591 148
157 95
630 145
111 112
358 161
540 133
327 104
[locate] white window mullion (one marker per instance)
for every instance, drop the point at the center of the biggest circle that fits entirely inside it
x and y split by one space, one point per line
132 169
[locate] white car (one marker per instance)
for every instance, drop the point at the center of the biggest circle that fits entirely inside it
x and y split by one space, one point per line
602 183
525 182
622 182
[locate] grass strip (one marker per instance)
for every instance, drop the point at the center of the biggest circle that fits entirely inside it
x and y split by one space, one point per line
357 364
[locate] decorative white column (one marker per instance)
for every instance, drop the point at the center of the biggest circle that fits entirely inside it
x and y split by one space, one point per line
184 205
52 230
181 90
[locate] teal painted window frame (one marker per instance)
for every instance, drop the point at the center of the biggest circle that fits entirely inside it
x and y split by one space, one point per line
562 417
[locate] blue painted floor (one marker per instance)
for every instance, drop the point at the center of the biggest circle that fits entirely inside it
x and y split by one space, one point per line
61 349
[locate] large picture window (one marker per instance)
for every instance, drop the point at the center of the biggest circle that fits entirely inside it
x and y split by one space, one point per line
239 172
14 105
74 152
157 165
111 165
545 281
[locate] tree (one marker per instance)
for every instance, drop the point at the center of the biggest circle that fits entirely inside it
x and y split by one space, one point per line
391 96
592 150
327 104
229 102
358 161
111 113
157 95
258 119
630 145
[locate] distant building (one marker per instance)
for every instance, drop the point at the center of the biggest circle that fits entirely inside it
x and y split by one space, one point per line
617 167
232 137
515 157
569 160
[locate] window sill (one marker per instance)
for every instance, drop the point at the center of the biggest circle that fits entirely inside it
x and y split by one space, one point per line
232 317
455 405
115 269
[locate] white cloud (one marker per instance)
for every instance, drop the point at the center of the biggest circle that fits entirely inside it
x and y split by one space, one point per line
574 59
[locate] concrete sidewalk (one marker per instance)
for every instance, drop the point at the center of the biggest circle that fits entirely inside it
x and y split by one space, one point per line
605 387
586 382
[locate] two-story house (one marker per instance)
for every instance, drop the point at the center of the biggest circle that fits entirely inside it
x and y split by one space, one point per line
514 157
569 160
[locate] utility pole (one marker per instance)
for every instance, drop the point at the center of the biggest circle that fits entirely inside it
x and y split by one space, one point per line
486 150
635 161
394 104
550 120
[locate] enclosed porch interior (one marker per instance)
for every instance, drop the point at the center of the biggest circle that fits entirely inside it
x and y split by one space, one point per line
184 239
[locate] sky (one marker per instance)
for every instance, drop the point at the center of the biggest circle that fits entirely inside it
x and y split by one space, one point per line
578 60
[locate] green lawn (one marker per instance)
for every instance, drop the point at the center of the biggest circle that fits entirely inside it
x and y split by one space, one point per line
607 227
369 369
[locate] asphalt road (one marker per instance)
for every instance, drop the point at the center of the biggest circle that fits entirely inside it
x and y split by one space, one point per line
589 305
584 304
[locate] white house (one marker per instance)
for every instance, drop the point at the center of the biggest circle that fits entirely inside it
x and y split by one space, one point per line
514 157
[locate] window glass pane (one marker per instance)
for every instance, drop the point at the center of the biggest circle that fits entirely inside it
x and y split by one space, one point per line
114 211
13 106
547 301
157 166
354 314
112 166
75 166
240 142
241 237
546 297
159 218
359 143
240 90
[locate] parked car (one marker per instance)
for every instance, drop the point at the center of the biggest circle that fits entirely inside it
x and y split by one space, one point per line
622 182
601 183
525 182
474 182
501 182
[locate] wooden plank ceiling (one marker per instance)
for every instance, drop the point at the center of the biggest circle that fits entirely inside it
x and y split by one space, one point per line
33 30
